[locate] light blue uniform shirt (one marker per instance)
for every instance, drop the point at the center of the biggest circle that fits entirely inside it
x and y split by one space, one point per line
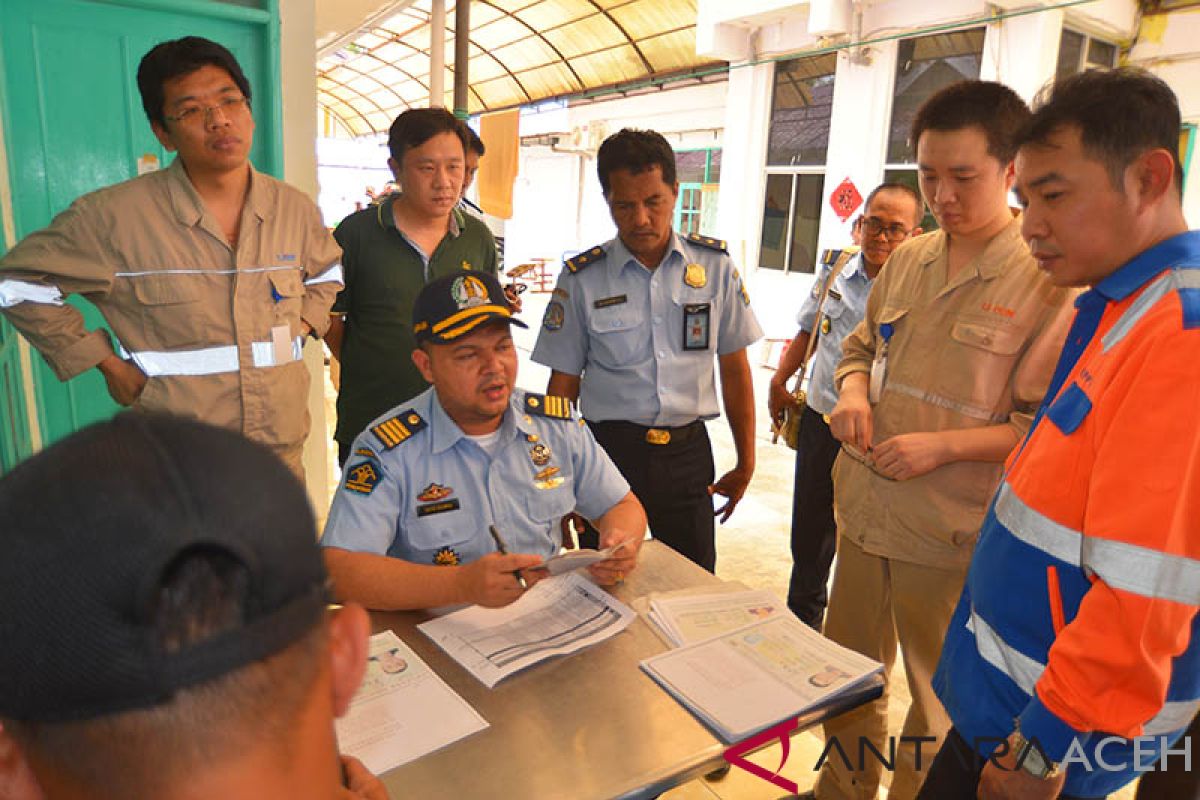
430 498
621 327
845 306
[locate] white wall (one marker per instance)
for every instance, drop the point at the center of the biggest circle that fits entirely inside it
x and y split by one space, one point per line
1169 46
558 206
299 94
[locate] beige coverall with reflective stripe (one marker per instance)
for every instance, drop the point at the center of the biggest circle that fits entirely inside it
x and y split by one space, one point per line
195 314
970 351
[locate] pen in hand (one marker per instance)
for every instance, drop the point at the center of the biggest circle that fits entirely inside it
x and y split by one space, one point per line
504 551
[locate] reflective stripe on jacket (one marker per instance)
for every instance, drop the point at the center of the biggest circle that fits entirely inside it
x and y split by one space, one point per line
1079 613
216 328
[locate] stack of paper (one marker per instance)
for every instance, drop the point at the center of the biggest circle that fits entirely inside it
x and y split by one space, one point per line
557 616
687 618
402 710
741 682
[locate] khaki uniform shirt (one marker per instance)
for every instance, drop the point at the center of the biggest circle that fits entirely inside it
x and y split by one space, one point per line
974 351
215 328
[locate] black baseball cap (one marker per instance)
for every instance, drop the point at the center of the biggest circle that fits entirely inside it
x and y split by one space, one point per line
458 303
89 528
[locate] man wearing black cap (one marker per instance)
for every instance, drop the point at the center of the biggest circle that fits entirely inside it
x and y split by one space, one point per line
165 631
409 527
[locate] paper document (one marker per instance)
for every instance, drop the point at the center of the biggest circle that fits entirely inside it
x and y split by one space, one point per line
744 681
696 617
557 616
577 559
402 710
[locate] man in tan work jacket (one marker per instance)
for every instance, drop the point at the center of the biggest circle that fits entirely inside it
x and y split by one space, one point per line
210 273
937 384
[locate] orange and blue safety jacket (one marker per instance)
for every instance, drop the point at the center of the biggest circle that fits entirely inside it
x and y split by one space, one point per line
1078 619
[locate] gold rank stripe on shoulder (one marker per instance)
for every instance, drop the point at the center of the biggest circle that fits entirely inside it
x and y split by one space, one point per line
707 241
392 432
829 256
585 259
548 405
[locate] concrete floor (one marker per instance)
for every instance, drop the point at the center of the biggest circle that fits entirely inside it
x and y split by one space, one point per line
752 547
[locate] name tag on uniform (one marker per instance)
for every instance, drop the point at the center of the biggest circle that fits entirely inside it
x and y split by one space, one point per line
615 300
281 344
696 318
437 508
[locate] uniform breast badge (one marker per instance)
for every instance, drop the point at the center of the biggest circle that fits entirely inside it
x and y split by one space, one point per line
548 478
447 557
434 492
826 325
540 454
695 276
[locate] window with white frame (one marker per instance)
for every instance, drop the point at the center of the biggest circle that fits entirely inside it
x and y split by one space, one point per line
801 107
924 66
1077 52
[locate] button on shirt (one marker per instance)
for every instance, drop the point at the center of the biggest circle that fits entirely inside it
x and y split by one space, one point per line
622 330
844 306
431 498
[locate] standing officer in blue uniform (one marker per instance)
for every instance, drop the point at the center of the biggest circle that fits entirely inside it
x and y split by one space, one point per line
409 526
631 332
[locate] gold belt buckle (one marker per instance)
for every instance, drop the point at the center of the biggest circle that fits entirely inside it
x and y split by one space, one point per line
658 436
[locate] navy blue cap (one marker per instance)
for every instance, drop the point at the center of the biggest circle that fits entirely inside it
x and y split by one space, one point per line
458 303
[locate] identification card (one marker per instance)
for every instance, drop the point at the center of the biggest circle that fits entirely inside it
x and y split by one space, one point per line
281 344
878 374
696 326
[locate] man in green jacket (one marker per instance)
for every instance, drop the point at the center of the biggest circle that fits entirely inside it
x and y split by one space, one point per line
391 250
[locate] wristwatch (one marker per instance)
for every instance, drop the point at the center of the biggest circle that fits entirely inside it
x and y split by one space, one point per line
1031 758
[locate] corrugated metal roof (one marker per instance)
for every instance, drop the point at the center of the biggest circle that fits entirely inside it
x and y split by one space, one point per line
520 51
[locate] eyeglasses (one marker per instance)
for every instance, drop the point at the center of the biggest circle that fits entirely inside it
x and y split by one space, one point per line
873 227
199 115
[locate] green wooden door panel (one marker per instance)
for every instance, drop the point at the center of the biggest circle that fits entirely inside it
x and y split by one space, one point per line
74 123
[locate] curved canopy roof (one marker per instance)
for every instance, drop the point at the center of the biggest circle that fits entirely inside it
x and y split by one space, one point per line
521 51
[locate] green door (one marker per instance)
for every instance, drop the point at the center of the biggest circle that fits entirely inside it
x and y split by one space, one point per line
73 123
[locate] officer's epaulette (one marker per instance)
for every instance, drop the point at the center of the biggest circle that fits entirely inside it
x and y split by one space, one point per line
708 241
548 405
829 257
395 430
585 259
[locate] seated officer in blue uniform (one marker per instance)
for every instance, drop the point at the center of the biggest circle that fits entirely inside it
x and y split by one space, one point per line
409 526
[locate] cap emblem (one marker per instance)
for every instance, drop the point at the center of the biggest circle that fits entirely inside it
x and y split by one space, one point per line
469 292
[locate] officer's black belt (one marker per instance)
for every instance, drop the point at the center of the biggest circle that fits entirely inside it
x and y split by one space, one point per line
651 434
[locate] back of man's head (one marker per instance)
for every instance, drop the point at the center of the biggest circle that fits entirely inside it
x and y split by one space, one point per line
992 107
179 57
1120 114
474 143
162 605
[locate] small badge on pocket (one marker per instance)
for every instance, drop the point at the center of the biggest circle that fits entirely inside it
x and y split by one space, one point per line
696 326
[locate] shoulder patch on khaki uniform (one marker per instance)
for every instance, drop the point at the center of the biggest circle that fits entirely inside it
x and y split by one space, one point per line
548 405
399 428
585 259
708 241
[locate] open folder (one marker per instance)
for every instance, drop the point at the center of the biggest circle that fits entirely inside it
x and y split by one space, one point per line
746 680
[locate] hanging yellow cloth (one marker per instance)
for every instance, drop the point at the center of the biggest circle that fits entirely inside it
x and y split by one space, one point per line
498 167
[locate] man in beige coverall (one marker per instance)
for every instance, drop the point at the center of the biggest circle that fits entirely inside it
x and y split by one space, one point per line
936 386
210 273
